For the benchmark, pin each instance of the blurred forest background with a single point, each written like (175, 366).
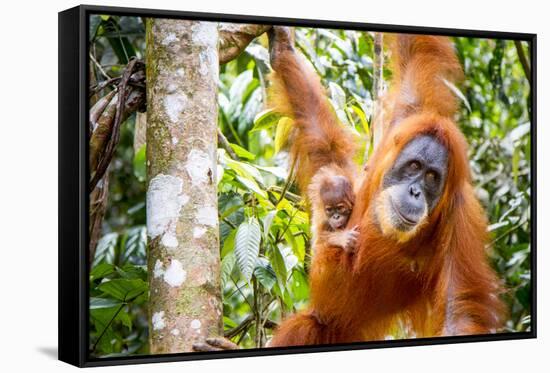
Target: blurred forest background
(264, 225)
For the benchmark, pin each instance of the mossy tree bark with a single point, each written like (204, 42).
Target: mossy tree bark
(182, 219)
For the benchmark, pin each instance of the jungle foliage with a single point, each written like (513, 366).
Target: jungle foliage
(264, 224)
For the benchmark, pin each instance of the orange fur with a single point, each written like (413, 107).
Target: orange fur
(435, 283)
(318, 138)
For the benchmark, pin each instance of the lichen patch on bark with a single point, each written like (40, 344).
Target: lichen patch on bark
(205, 33)
(207, 215)
(170, 38)
(164, 202)
(158, 271)
(175, 275)
(158, 320)
(174, 104)
(195, 324)
(198, 167)
(198, 232)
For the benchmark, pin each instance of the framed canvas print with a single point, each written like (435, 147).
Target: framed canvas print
(233, 186)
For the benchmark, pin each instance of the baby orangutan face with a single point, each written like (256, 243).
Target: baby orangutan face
(337, 198)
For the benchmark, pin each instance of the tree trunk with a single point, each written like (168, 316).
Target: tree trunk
(182, 219)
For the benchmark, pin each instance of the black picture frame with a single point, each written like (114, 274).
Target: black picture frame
(73, 184)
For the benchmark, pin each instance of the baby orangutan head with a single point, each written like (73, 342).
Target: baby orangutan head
(337, 197)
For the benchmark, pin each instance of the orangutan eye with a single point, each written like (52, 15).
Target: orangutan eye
(414, 166)
(431, 177)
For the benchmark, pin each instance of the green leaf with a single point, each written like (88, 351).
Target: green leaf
(362, 118)
(228, 263)
(265, 273)
(101, 270)
(132, 272)
(228, 243)
(249, 111)
(125, 319)
(337, 95)
(240, 87)
(105, 250)
(140, 171)
(135, 246)
(299, 285)
(265, 119)
(278, 263)
(247, 246)
(97, 303)
(122, 47)
(123, 289)
(283, 131)
(280, 172)
(268, 220)
(243, 169)
(297, 246)
(101, 318)
(252, 185)
(228, 323)
(260, 55)
(242, 152)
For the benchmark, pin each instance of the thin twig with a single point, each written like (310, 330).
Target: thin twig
(504, 235)
(245, 298)
(286, 228)
(288, 181)
(239, 328)
(289, 195)
(222, 140)
(101, 86)
(107, 326)
(228, 222)
(100, 68)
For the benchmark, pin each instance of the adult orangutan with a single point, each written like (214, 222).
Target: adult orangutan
(420, 259)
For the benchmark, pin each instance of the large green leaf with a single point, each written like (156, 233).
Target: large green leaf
(135, 245)
(247, 246)
(124, 289)
(101, 270)
(266, 119)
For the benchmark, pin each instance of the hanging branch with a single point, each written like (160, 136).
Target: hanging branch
(523, 60)
(103, 123)
(234, 38)
(98, 206)
(106, 134)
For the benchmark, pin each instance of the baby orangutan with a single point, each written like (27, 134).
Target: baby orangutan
(332, 199)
